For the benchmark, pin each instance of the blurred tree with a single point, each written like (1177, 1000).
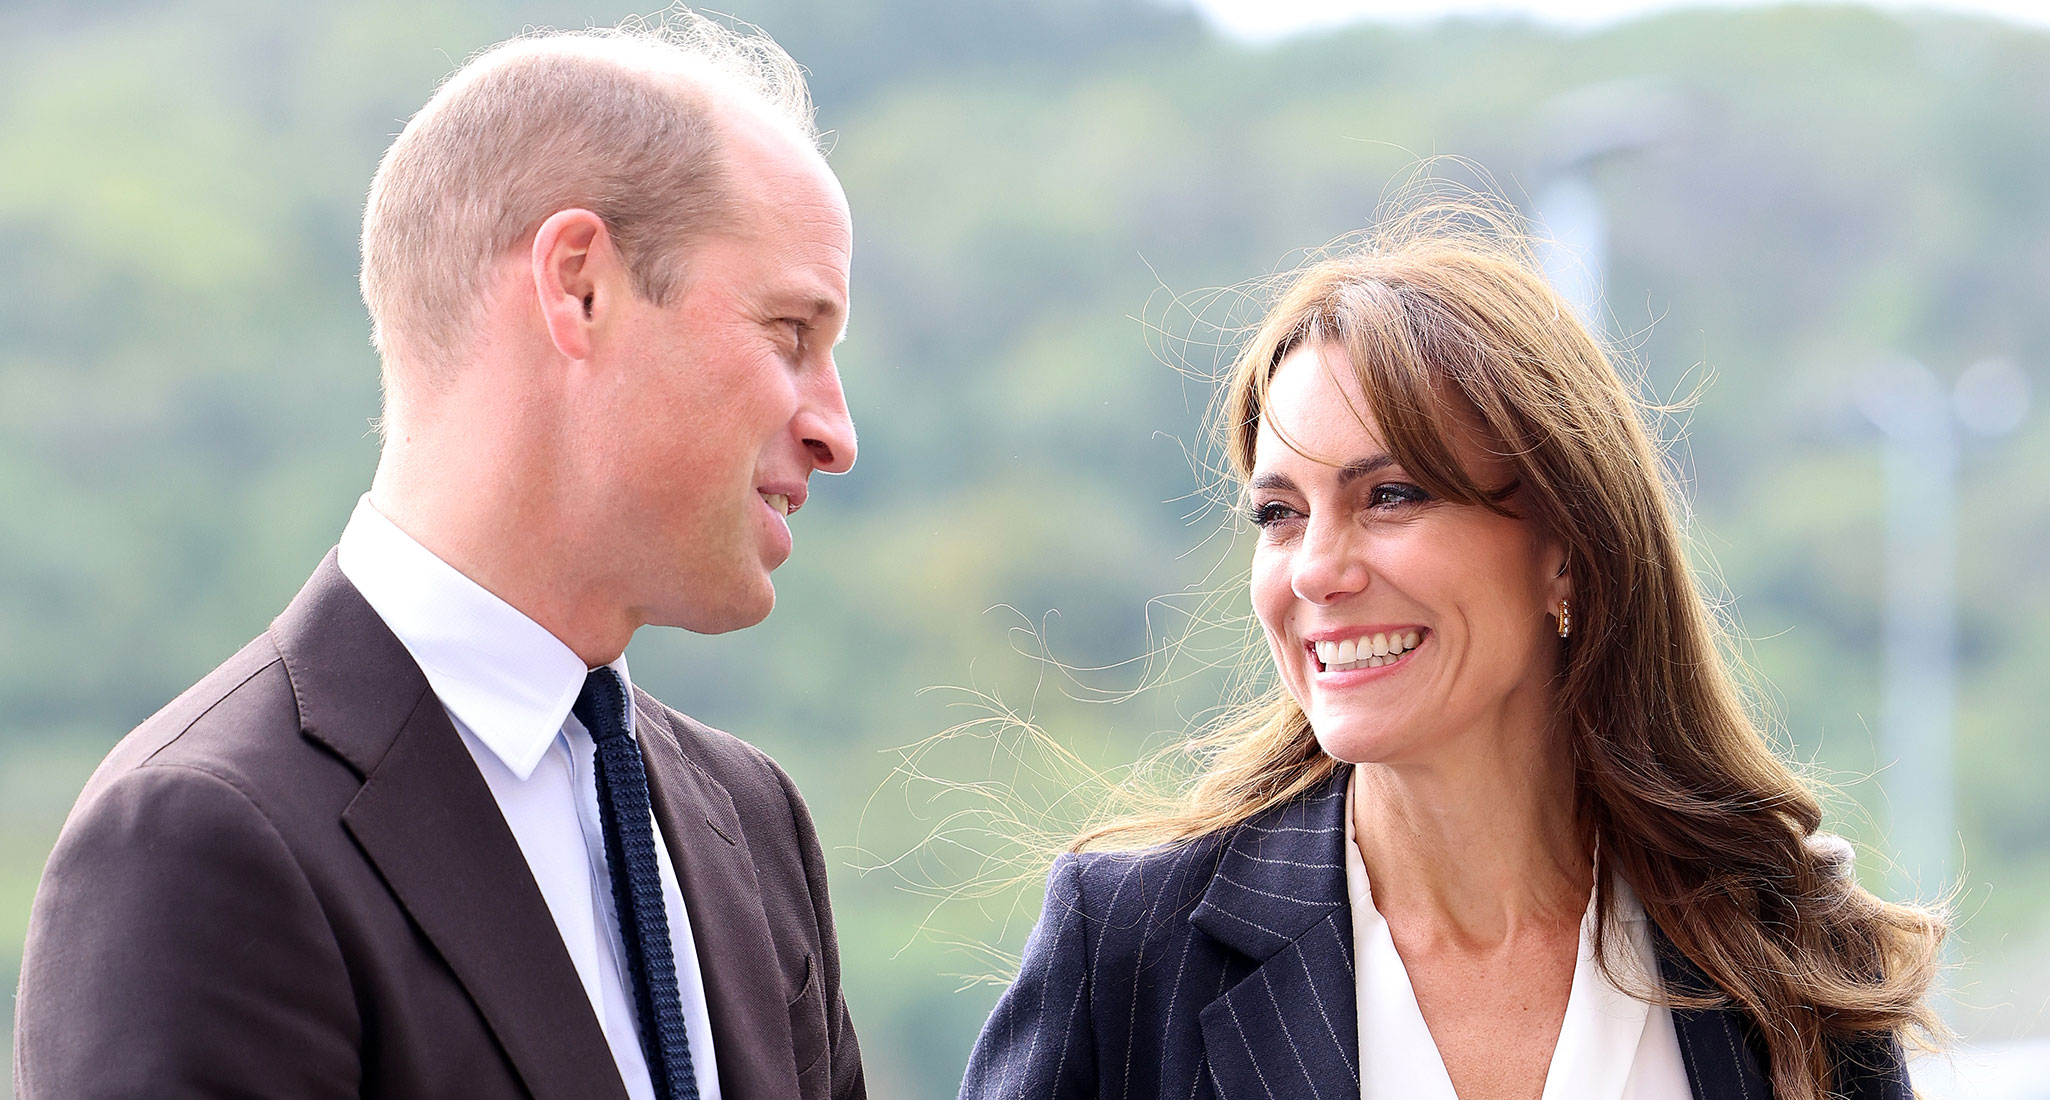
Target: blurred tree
(1047, 194)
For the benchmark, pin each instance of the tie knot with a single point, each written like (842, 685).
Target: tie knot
(601, 706)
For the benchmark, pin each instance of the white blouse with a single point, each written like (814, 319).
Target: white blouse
(1611, 1045)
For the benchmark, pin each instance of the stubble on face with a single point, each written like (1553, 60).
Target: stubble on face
(728, 382)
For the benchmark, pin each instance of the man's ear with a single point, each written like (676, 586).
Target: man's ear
(576, 273)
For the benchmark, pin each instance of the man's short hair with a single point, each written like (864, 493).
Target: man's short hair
(620, 121)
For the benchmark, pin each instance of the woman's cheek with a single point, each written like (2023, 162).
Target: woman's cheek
(1272, 598)
(1270, 611)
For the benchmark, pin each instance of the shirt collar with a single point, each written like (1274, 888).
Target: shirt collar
(498, 672)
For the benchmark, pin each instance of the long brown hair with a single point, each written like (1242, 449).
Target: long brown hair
(1444, 309)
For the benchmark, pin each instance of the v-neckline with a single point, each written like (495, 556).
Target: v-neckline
(1590, 1059)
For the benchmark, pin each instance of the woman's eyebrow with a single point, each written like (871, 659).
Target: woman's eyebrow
(1361, 467)
(1348, 473)
(1279, 482)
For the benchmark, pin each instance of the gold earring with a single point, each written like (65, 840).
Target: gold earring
(1565, 619)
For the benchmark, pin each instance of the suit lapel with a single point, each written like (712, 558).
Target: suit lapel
(1715, 1045)
(1289, 1027)
(743, 983)
(428, 822)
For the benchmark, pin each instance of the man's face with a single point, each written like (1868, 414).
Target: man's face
(730, 399)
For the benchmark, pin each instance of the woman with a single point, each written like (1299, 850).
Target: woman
(1502, 828)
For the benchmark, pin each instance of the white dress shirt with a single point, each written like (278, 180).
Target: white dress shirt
(508, 686)
(1611, 1045)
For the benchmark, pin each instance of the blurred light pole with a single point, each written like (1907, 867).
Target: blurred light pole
(1582, 128)
(1575, 245)
(1923, 422)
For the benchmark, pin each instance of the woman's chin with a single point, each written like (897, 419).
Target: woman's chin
(1357, 742)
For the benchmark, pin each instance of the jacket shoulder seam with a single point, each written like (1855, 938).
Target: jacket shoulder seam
(188, 727)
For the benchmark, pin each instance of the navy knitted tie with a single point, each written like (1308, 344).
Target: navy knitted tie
(637, 884)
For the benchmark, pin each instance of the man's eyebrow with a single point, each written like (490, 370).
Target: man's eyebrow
(816, 306)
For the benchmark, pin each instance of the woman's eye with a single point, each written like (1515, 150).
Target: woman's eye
(1395, 494)
(1269, 514)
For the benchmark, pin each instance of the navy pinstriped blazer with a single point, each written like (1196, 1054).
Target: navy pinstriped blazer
(1222, 970)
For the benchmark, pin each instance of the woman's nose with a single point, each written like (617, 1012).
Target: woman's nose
(1329, 563)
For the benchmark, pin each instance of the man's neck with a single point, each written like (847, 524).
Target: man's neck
(478, 513)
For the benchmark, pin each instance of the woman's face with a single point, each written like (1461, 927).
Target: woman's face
(1405, 626)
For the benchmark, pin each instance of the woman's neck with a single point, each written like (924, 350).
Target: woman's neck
(1475, 846)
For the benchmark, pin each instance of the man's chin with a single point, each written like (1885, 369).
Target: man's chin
(725, 616)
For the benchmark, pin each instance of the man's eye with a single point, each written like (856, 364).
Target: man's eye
(797, 328)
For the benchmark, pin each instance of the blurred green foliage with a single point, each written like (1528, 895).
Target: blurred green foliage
(1044, 193)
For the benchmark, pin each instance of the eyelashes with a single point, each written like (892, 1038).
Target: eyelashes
(1266, 515)
(1383, 499)
(1397, 493)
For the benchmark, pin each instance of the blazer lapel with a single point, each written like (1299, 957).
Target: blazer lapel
(743, 984)
(428, 822)
(1715, 1044)
(1290, 1026)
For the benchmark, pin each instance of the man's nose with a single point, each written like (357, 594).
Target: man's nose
(826, 427)
(1328, 564)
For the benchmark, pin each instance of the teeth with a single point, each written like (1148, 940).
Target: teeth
(779, 501)
(1368, 652)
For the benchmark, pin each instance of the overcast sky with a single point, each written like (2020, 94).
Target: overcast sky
(1265, 19)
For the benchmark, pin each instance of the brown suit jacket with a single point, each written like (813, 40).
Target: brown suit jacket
(292, 882)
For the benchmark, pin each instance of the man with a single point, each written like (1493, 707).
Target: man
(422, 838)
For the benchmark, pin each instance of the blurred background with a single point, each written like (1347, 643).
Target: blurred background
(1828, 224)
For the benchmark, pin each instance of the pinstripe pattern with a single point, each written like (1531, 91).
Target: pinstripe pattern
(1222, 969)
